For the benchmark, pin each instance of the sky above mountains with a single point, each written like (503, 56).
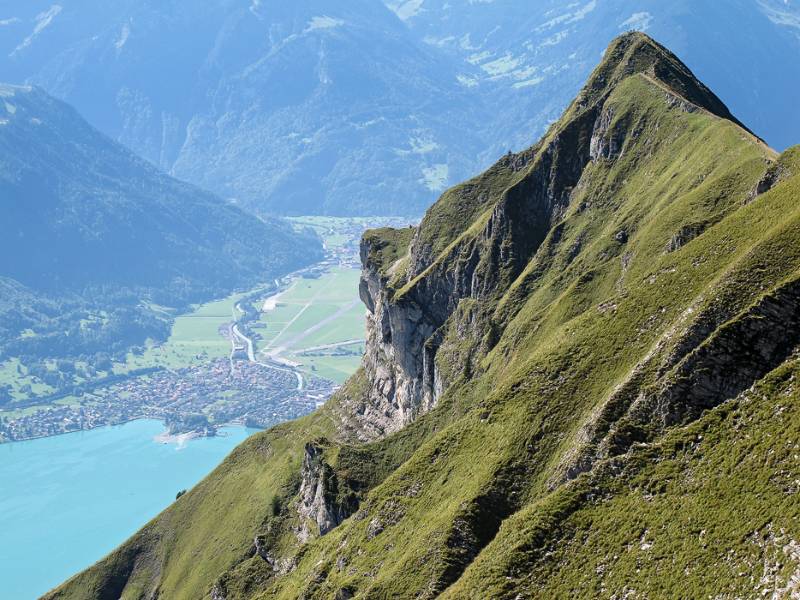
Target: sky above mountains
(364, 107)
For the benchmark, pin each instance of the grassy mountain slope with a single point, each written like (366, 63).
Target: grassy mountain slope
(580, 381)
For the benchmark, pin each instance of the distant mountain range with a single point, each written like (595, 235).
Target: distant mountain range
(532, 57)
(302, 107)
(365, 108)
(85, 221)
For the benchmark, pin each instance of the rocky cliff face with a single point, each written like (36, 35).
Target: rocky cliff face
(411, 300)
(398, 364)
(318, 506)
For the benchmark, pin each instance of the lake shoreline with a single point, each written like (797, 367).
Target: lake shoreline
(162, 438)
(96, 490)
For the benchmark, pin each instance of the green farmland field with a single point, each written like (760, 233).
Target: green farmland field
(195, 338)
(317, 312)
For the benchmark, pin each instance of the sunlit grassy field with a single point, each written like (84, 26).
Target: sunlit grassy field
(335, 368)
(195, 338)
(309, 313)
(317, 312)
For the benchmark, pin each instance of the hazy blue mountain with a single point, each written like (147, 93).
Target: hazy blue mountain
(533, 56)
(298, 107)
(86, 225)
(370, 106)
(79, 209)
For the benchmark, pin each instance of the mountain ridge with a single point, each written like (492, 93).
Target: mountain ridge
(529, 52)
(569, 336)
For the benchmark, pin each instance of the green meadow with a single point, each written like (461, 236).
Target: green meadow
(317, 312)
(195, 338)
(309, 313)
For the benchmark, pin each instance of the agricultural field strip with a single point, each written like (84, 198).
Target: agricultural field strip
(331, 298)
(315, 315)
(294, 341)
(333, 345)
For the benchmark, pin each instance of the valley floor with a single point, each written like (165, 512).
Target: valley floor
(257, 357)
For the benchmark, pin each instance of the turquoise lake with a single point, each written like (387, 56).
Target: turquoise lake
(66, 501)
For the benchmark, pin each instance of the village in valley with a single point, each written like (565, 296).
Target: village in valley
(254, 359)
(194, 400)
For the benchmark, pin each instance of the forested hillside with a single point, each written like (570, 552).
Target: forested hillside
(93, 237)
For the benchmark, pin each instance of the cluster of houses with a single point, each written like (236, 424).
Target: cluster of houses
(224, 392)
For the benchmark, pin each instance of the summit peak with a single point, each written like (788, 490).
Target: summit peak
(636, 53)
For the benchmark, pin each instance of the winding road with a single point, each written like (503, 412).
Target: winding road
(247, 343)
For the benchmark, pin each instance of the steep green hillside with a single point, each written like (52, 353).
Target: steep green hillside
(580, 381)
